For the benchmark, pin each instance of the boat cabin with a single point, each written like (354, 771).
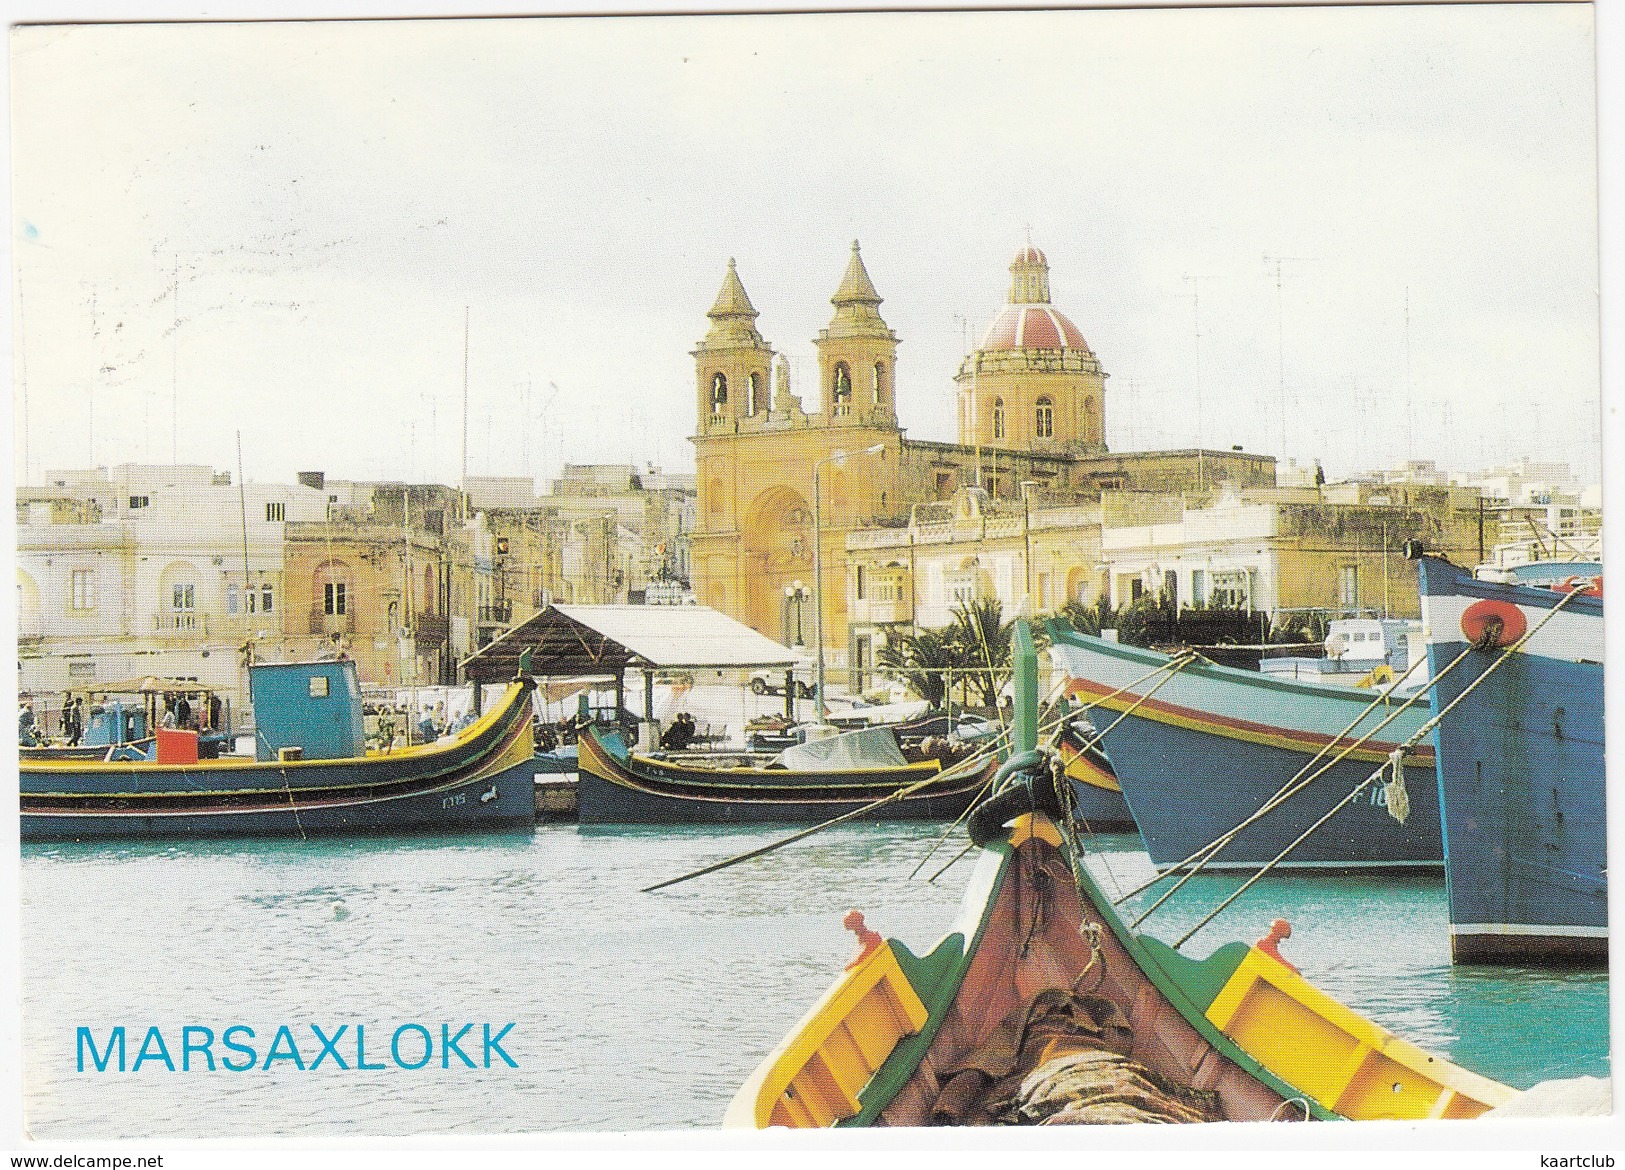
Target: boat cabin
(307, 710)
(1354, 649)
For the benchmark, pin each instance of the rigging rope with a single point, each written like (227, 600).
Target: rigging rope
(1420, 734)
(1198, 860)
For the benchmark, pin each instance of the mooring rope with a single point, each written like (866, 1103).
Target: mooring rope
(1421, 733)
(1199, 860)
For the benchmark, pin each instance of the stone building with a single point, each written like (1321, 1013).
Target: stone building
(390, 576)
(601, 535)
(1336, 550)
(776, 476)
(150, 570)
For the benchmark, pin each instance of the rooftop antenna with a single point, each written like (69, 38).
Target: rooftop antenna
(524, 430)
(972, 415)
(1280, 333)
(242, 511)
(175, 366)
(462, 483)
(90, 407)
(1196, 331)
(22, 374)
(1409, 438)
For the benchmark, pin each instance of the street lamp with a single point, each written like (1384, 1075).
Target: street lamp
(1027, 488)
(838, 458)
(795, 596)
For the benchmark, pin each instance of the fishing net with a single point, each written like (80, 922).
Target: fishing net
(1062, 1059)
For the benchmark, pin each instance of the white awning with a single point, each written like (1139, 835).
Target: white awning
(683, 636)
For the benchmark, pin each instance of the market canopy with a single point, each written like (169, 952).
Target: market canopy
(603, 640)
(147, 685)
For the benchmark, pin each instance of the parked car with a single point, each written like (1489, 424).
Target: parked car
(771, 682)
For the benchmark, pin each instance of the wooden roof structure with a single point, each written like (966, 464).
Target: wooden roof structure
(602, 641)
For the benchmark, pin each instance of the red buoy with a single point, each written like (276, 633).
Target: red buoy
(1491, 624)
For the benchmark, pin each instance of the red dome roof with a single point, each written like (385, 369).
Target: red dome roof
(1029, 255)
(1032, 327)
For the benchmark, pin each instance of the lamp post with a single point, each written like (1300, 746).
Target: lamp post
(1027, 487)
(795, 600)
(838, 457)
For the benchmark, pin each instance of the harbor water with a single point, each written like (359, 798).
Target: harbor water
(630, 1011)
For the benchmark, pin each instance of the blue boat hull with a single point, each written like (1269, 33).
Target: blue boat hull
(1185, 788)
(1202, 752)
(503, 801)
(482, 780)
(1521, 776)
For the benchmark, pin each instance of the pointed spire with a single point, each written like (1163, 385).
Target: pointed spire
(733, 317)
(732, 300)
(856, 287)
(857, 305)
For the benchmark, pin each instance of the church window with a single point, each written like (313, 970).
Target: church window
(843, 389)
(880, 382)
(719, 394)
(753, 401)
(998, 418)
(1046, 419)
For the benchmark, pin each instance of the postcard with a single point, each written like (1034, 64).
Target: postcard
(640, 579)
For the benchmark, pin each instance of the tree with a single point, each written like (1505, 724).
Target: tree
(976, 647)
(984, 639)
(921, 659)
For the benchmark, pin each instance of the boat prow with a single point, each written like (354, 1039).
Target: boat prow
(1040, 983)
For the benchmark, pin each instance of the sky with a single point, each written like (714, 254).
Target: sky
(274, 230)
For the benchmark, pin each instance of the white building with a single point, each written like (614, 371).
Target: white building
(138, 570)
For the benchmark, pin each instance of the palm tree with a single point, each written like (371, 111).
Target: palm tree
(921, 659)
(984, 640)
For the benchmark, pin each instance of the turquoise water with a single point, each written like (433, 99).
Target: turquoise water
(631, 1011)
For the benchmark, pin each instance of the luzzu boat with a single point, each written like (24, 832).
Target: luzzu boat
(1096, 793)
(617, 785)
(1520, 765)
(312, 773)
(1198, 748)
(1040, 1006)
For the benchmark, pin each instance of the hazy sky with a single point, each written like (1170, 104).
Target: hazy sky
(275, 228)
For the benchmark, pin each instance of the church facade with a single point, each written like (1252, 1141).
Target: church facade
(782, 484)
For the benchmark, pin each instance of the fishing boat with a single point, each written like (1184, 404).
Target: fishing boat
(1041, 1006)
(804, 784)
(310, 774)
(1097, 797)
(1199, 749)
(1518, 692)
(121, 719)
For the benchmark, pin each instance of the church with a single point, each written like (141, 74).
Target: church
(782, 484)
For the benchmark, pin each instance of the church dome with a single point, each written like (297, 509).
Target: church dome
(1032, 327)
(1029, 321)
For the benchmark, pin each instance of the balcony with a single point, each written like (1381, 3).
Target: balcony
(878, 612)
(181, 623)
(496, 615)
(324, 623)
